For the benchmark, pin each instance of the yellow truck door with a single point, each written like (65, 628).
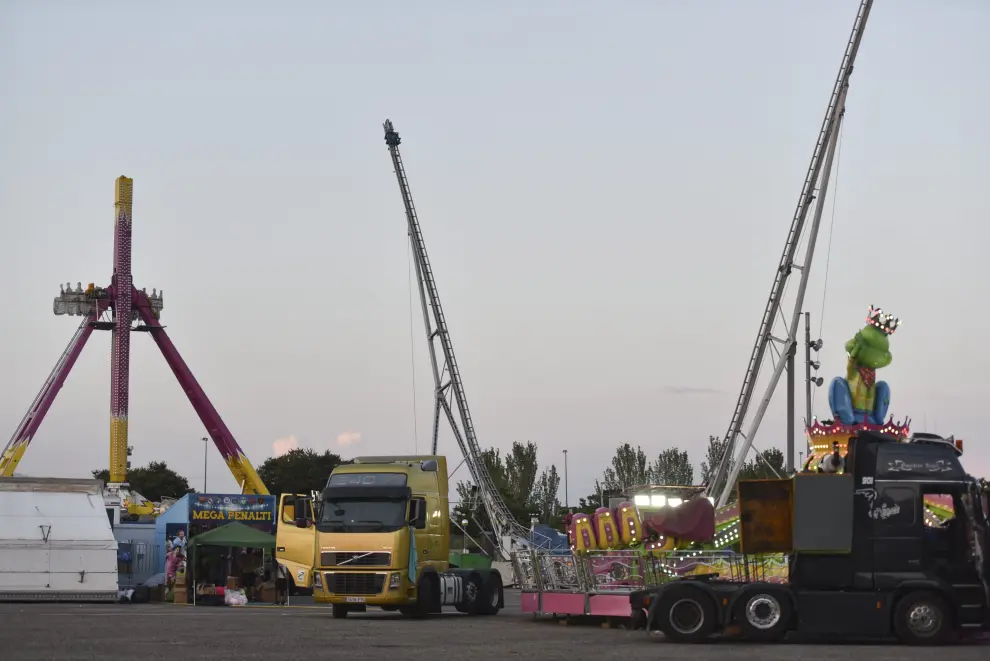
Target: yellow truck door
(294, 546)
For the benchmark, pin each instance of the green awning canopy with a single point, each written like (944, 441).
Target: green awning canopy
(234, 534)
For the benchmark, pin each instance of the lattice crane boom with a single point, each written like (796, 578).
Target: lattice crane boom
(814, 187)
(449, 388)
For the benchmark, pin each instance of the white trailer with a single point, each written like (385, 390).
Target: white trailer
(56, 541)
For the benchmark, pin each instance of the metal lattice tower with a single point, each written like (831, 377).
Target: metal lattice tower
(449, 393)
(815, 188)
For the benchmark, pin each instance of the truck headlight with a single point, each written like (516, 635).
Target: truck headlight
(317, 580)
(394, 581)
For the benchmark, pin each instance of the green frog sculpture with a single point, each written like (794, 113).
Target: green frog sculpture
(859, 398)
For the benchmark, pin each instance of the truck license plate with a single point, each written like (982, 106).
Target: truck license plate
(354, 600)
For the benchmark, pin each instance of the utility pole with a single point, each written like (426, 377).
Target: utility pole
(790, 409)
(566, 499)
(206, 446)
(809, 365)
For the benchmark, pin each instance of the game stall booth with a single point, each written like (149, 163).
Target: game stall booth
(197, 513)
(232, 539)
(231, 566)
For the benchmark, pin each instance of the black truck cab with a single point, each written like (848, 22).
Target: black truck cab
(867, 558)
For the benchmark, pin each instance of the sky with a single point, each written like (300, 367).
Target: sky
(604, 191)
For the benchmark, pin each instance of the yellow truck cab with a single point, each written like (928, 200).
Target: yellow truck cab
(381, 537)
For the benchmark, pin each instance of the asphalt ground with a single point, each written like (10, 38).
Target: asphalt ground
(152, 632)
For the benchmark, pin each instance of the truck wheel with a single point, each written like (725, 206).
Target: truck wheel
(493, 595)
(338, 611)
(425, 596)
(473, 596)
(764, 615)
(685, 614)
(922, 618)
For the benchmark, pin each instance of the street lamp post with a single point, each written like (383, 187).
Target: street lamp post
(206, 447)
(566, 500)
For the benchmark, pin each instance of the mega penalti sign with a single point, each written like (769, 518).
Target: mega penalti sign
(224, 508)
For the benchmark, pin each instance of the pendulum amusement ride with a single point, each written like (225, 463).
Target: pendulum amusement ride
(122, 309)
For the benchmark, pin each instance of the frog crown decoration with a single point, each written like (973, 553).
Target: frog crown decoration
(885, 323)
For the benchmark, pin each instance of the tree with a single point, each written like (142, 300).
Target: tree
(600, 498)
(545, 500)
(589, 503)
(514, 477)
(154, 481)
(672, 467)
(517, 478)
(521, 470)
(469, 505)
(713, 457)
(769, 466)
(298, 471)
(628, 469)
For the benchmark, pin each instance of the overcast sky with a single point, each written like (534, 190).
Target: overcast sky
(604, 189)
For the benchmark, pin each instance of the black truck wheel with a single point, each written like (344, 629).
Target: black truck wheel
(473, 596)
(685, 614)
(492, 593)
(338, 611)
(764, 614)
(426, 599)
(922, 618)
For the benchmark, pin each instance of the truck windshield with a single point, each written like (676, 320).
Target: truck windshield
(353, 515)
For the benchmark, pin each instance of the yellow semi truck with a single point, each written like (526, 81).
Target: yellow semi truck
(380, 536)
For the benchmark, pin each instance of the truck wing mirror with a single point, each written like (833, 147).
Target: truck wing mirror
(302, 519)
(417, 513)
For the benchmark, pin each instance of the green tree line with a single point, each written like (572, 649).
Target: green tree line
(526, 490)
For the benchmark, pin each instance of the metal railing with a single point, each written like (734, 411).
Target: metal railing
(625, 571)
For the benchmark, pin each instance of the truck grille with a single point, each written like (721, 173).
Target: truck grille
(355, 559)
(355, 583)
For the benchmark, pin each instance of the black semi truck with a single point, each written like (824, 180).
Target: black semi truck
(863, 561)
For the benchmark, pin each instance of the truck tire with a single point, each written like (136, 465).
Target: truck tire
(493, 595)
(764, 614)
(338, 611)
(922, 618)
(685, 614)
(426, 595)
(474, 596)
